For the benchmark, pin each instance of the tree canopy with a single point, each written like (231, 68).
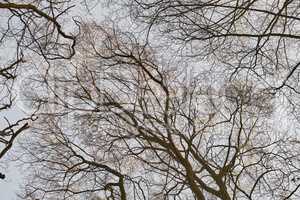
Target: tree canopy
(156, 99)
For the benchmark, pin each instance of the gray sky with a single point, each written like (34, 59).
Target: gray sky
(10, 185)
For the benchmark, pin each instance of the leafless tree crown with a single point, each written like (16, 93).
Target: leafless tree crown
(164, 99)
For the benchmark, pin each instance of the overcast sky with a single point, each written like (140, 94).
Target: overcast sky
(10, 185)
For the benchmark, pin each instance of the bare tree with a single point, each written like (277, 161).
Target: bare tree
(251, 36)
(125, 122)
(28, 29)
